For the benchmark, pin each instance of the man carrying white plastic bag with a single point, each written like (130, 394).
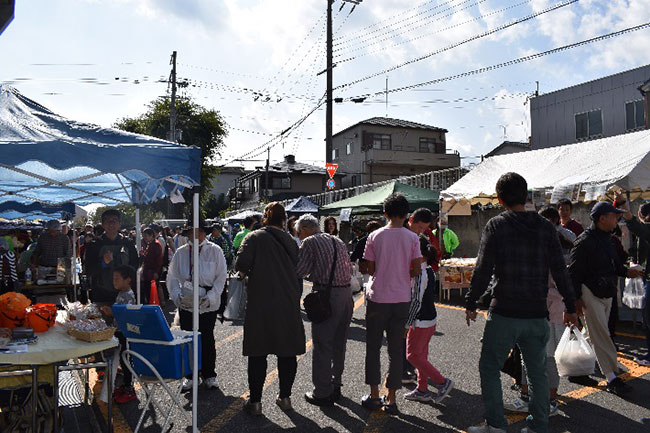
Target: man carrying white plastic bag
(574, 356)
(594, 268)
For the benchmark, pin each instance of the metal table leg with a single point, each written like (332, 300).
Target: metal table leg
(34, 397)
(108, 377)
(56, 398)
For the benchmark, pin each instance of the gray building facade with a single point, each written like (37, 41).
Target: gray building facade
(382, 148)
(600, 108)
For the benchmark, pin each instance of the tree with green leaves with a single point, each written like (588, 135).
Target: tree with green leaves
(199, 127)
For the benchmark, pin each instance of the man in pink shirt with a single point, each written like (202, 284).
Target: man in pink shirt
(393, 255)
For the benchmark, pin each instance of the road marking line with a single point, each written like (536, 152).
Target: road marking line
(635, 371)
(624, 334)
(233, 409)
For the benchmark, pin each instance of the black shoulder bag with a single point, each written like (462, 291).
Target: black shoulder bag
(317, 303)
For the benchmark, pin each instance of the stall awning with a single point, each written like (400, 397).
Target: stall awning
(581, 171)
(48, 158)
(13, 210)
(373, 201)
(301, 205)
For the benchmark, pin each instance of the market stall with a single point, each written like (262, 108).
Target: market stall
(373, 201)
(581, 172)
(455, 273)
(300, 206)
(47, 158)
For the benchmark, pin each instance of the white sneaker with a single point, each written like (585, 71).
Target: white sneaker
(187, 384)
(527, 430)
(517, 405)
(211, 383)
(485, 429)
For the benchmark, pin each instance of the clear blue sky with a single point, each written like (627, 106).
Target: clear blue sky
(98, 61)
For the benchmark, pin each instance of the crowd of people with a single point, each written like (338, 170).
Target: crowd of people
(542, 271)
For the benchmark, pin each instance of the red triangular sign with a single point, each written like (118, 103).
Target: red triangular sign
(331, 169)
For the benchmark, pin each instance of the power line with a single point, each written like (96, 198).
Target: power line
(275, 140)
(382, 49)
(509, 62)
(395, 31)
(473, 38)
(366, 30)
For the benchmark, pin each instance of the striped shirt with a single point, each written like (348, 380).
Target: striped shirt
(315, 260)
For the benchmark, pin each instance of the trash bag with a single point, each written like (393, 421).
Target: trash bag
(633, 293)
(236, 305)
(574, 356)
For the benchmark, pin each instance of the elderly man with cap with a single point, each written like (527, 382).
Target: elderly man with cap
(594, 268)
(212, 278)
(641, 228)
(52, 245)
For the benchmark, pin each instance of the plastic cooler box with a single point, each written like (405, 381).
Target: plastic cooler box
(147, 333)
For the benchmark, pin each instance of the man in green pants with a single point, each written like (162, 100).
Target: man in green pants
(518, 248)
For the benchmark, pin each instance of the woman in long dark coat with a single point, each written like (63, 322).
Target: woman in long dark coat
(273, 323)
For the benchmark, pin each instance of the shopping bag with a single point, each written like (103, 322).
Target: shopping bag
(236, 303)
(633, 293)
(574, 356)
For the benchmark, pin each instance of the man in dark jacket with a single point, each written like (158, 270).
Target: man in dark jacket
(641, 228)
(106, 252)
(594, 267)
(518, 248)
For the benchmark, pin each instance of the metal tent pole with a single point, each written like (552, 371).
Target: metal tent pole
(195, 313)
(138, 241)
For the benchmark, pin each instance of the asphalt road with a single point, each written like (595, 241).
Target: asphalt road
(454, 351)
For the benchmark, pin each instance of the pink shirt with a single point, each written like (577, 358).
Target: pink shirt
(392, 250)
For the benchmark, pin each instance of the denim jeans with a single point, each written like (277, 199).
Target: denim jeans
(646, 317)
(500, 335)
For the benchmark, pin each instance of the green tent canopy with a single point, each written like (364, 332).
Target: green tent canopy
(373, 201)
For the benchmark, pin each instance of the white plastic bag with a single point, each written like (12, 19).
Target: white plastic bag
(633, 293)
(574, 356)
(236, 303)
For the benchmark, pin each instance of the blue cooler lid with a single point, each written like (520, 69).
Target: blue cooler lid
(145, 322)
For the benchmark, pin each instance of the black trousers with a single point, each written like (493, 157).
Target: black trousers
(206, 327)
(287, 366)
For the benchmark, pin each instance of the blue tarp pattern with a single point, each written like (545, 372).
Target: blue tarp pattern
(35, 210)
(48, 158)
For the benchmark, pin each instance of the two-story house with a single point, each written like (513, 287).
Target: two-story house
(286, 180)
(608, 106)
(382, 148)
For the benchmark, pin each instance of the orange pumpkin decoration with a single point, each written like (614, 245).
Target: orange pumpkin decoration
(12, 309)
(41, 317)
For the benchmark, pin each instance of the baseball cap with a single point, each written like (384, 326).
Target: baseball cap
(602, 208)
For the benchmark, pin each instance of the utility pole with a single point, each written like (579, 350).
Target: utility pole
(266, 181)
(172, 106)
(328, 109)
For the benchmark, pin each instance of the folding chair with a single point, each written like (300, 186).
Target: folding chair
(160, 356)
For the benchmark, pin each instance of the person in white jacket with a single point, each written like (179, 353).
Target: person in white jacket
(212, 278)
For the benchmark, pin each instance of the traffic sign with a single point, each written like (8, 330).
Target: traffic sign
(331, 184)
(331, 169)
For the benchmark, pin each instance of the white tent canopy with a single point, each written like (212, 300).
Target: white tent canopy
(581, 171)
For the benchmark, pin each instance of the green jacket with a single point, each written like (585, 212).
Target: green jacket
(449, 238)
(239, 237)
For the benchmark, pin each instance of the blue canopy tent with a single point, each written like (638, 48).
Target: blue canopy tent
(13, 210)
(47, 158)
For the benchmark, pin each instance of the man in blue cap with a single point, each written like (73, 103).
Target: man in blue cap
(594, 268)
